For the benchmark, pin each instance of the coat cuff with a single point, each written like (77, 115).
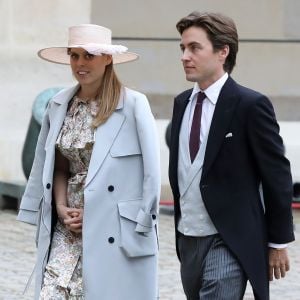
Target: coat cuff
(145, 221)
(28, 216)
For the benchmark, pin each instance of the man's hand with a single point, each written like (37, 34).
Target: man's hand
(278, 263)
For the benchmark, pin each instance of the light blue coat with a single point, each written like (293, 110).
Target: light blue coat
(121, 200)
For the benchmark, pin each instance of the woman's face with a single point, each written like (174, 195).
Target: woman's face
(87, 68)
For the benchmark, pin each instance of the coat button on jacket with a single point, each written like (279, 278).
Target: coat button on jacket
(111, 188)
(111, 240)
(48, 186)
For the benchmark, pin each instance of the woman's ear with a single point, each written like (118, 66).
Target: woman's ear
(108, 59)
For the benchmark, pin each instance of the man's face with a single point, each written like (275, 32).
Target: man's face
(201, 63)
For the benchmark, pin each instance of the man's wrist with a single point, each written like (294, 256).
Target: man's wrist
(277, 246)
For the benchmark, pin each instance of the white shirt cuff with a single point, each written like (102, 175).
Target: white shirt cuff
(277, 246)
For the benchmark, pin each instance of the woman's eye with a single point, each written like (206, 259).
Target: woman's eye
(74, 56)
(89, 56)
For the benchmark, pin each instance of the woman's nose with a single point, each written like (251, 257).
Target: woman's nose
(81, 61)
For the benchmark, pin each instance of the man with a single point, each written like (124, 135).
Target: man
(225, 144)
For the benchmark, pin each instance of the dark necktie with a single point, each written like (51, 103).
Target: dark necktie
(195, 129)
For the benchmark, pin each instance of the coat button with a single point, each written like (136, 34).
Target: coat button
(111, 188)
(48, 186)
(111, 240)
(153, 217)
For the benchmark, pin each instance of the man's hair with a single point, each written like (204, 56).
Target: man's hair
(220, 30)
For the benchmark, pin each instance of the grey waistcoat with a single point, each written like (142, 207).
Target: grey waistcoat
(194, 220)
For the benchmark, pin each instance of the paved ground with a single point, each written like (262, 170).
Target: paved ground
(17, 254)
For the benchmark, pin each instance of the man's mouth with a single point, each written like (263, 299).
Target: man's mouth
(188, 68)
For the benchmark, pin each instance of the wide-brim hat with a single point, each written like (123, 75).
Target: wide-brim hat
(94, 39)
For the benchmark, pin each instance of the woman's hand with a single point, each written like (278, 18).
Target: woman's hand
(74, 223)
(71, 217)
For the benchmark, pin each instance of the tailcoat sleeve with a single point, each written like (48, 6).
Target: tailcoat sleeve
(30, 202)
(274, 168)
(148, 138)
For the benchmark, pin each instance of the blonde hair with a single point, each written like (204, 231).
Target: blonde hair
(108, 95)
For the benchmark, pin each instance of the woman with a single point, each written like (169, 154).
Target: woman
(94, 185)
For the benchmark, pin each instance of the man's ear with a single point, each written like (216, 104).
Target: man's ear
(223, 53)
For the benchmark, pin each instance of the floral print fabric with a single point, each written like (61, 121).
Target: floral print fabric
(63, 274)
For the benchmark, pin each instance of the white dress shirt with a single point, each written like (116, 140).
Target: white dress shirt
(208, 106)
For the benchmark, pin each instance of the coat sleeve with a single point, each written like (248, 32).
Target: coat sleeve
(30, 202)
(274, 168)
(148, 138)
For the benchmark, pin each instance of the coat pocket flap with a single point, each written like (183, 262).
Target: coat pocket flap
(128, 148)
(133, 212)
(135, 244)
(129, 210)
(125, 152)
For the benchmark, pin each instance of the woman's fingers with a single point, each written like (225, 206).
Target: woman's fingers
(77, 228)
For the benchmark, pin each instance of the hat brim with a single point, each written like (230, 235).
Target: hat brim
(59, 55)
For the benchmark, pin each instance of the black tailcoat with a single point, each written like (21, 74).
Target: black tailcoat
(234, 169)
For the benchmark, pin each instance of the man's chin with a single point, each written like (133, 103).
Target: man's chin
(190, 78)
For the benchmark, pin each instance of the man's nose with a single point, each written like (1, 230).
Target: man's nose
(185, 55)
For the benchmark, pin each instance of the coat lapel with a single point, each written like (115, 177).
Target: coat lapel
(58, 112)
(225, 107)
(105, 136)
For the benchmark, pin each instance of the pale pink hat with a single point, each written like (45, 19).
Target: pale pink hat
(94, 39)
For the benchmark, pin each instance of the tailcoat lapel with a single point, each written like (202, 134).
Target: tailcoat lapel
(180, 105)
(225, 107)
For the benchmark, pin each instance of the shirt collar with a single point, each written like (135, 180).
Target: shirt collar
(213, 91)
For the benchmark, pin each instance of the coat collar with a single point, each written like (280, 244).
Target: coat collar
(66, 95)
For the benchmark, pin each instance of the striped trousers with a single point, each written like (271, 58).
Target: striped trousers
(209, 271)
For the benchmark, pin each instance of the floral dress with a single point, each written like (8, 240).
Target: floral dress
(63, 274)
